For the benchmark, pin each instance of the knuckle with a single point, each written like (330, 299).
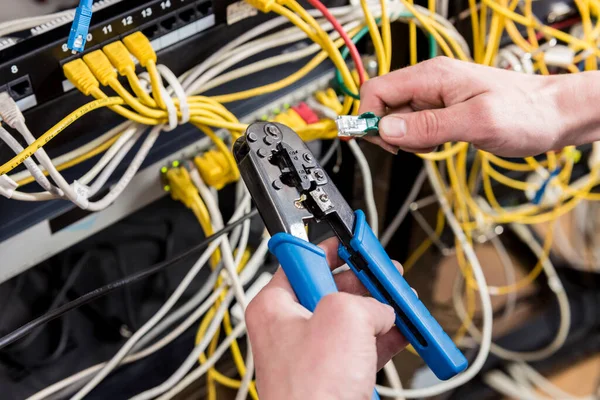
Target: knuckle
(368, 89)
(252, 311)
(428, 128)
(339, 304)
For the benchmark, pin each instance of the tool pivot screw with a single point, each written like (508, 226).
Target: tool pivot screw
(272, 130)
(268, 140)
(308, 157)
(324, 198)
(277, 185)
(319, 175)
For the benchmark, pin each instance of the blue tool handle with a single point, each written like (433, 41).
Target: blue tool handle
(386, 284)
(305, 266)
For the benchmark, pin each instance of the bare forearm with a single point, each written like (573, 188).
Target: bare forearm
(578, 102)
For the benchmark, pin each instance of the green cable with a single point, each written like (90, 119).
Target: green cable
(345, 52)
(356, 39)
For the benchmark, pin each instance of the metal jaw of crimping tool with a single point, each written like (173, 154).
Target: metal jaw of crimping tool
(289, 188)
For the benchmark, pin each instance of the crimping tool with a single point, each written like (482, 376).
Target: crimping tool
(289, 188)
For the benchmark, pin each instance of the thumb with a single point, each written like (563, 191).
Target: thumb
(422, 131)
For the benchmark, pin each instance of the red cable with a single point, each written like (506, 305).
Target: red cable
(349, 43)
(560, 25)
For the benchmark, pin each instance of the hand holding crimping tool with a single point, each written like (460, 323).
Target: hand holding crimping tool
(289, 187)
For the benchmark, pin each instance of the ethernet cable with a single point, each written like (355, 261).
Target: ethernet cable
(487, 310)
(367, 177)
(161, 313)
(556, 287)
(249, 272)
(404, 209)
(255, 47)
(190, 361)
(75, 379)
(31, 166)
(114, 152)
(202, 369)
(247, 369)
(23, 176)
(217, 221)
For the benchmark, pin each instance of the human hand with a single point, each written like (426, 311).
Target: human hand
(503, 112)
(331, 354)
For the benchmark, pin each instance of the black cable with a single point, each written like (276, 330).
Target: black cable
(111, 287)
(60, 297)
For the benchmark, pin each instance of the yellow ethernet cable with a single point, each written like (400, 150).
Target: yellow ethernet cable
(121, 58)
(78, 73)
(141, 48)
(103, 70)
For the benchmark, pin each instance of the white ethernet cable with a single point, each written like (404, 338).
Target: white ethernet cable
(393, 377)
(484, 294)
(160, 314)
(110, 155)
(509, 276)
(117, 151)
(211, 204)
(365, 170)
(129, 174)
(80, 150)
(114, 163)
(555, 285)
(545, 385)
(290, 35)
(249, 272)
(192, 75)
(31, 166)
(192, 358)
(202, 369)
(404, 209)
(76, 379)
(501, 383)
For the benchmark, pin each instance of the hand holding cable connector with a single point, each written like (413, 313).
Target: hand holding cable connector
(503, 112)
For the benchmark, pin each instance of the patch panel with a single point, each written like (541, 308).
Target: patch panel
(39, 58)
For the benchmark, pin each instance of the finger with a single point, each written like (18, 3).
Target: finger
(350, 313)
(431, 84)
(388, 345)
(348, 282)
(382, 143)
(274, 305)
(430, 128)
(330, 247)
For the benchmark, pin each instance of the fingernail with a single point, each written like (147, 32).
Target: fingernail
(393, 127)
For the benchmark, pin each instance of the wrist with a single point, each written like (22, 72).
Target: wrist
(576, 98)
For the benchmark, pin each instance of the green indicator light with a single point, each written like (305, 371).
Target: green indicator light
(264, 117)
(176, 164)
(164, 170)
(167, 188)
